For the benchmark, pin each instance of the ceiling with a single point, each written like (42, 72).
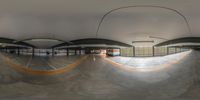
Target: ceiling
(69, 20)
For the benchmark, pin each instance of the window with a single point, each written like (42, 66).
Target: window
(143, 51)
(184, 49)
(178, 50)
(148, 51)
(128, 52)
(160, 51)
(172, 50)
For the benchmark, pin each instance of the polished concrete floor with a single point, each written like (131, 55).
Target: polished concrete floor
(97, 78)
(42, 62)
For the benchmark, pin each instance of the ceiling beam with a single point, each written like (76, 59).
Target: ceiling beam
(180, 40)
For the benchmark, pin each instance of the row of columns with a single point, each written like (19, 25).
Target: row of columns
(77, 51)
(6, 50)
(53, 51)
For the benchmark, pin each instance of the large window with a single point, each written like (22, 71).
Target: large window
(127, 52)
(178, 50)
(71, 52)
(148, 51)
(143, 51)
(160, 51)
(172, 50)
(184, 49)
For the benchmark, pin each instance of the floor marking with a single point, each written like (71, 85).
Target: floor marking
(49, 65)
(94, 59)
(44, 72)
(29, 61)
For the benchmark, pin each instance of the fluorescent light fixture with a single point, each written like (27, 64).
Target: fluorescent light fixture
(143, 41)
(155, 37)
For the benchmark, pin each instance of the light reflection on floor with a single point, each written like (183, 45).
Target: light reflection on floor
(148, 63)
(101, 80)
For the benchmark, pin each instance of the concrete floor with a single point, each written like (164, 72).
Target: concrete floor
(42, 62)
(98, 79)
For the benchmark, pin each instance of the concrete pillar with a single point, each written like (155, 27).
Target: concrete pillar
(33, 51)
(53, 52)
(67, 52)
(27, 51)
(133, 51)
(175, 50)
(75, 52)
(120, 52)
(18, 52)
(167, 50)
(6, 50)
(153, 51)
(79, 51)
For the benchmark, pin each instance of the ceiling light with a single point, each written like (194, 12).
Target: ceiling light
(157, 37)
(143, 41)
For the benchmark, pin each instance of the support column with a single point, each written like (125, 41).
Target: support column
(79, 51)
(26, 51)
(67, 51)
(120, 51)
(33, 51)
(167, 50)
(6, 50)
(53, 52)
(18, 52)
(175, 50)
(75, 52)
(133, 51)
(153, 50)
